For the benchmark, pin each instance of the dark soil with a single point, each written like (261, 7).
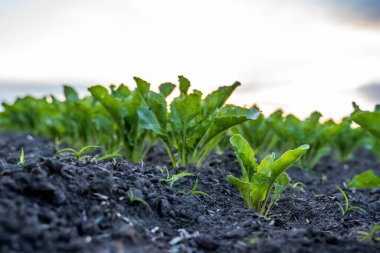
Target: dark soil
(54, 204)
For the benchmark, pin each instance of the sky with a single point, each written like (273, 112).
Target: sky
(299, 55)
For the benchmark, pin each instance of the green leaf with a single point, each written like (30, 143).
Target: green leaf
(149, 121)
(87, 148)
(71, 150)
(158, 106)
(70, 94)
(286, 160)
(185, 108)
(217, 98)
(265, 166)
(184, 85)
(142, 86)
(369, 121)
(283, 179)
(166, 89)
(155, 101)
(122, 91)
(245, 155)
(226, 118)
(109, 102)
(243, 187)
(367, 179)
(259, 188)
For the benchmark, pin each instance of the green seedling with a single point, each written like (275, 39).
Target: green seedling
(258, 180)
(79, 154)
(172, 179)
(370, 235)
(119, 113)
(347, 207)
(134, 199)
(195, 191)
(22, 157)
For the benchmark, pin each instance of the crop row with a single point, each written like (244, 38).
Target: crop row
(189, 127)
(133, 120)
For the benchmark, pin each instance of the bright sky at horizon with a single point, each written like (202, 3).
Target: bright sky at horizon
(301, 55)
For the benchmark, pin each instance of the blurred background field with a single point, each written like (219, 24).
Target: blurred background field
(299, 55)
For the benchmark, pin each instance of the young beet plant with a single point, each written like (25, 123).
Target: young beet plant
(194, 125)
(122, 106)
(259, 179)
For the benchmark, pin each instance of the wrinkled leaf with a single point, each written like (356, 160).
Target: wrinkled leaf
(166, 89)
(217, 98)
(184, 85)
(367, 179)
(228, 117)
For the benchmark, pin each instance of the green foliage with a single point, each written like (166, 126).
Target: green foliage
(194, 125)
(122, 107)
(190, 130)
(346, 139)
(190, 127)
(259, 133)
(79, 154)
(370, 121)
(367, 179)
(295, 132)
(347, 208)
(276, 132)
(259, 179)
(371, 235)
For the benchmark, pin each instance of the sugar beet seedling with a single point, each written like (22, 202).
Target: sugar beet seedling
(259, 179)
(194, 126)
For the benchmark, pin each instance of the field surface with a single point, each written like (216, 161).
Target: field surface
(56, 204)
